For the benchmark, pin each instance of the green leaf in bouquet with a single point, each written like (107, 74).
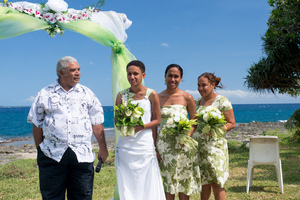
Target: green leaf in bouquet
(206, 128)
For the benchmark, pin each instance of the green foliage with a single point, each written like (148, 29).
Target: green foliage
(295, 137)
(294, 121)
(280, 70)
(98, 4)
(293, 124)
(237, 147)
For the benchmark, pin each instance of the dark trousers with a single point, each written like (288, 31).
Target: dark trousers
(68, 174)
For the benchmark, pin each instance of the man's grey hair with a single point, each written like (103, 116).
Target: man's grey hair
(62, 64)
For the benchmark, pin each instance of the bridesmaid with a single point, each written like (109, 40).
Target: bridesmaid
(137, 169)
(214, 166)
(179, 169)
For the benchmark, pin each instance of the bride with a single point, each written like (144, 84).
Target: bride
(137, 169)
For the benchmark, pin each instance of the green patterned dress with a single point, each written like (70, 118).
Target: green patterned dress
(179, 169)
(213, 154)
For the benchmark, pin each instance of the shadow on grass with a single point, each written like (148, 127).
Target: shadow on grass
(242, 189)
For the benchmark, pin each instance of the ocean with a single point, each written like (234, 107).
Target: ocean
(13, 122)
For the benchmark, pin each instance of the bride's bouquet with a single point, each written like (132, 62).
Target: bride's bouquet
(212, 120)
(180, 127)
(128, 116)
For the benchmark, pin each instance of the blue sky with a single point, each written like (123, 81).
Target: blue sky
(201, 36)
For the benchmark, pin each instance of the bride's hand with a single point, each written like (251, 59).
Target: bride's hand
(138, 128)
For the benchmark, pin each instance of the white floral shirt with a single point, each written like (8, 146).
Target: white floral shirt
(66, 119)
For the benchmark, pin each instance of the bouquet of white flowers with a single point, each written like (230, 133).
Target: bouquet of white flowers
(128, 116)
(180, 127)
(212, 120)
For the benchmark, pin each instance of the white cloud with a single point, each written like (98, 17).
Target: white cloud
(30, 99)
(245, 97)
(91, 63)
(236, 93)
(194, 93)
(164, 44)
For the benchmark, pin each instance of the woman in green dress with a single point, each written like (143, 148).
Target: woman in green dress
(179, 168)
(213, 152)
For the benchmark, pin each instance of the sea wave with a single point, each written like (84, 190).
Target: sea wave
(282, 121)
(109, 129)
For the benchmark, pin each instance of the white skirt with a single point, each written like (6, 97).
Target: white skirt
(137, 169)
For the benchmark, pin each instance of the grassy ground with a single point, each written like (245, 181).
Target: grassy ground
(19, 179)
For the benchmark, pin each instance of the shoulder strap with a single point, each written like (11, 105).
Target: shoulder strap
(148, 92)
(124, 91)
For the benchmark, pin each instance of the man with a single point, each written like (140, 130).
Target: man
(64, 116)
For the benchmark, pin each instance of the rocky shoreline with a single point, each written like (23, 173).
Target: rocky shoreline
(242, 132)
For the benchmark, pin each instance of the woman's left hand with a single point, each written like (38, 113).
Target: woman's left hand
(138, 128)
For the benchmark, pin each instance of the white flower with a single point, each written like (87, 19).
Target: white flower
(209, 108)
(177, 118)
(18, 7)
(206, 117)
(37, 13)
(52, 19)
(29, 11)
(128, 113)
(56, 5)
(214, 114)
(62, 18)
(137, 112)
(48, 16)
(170, 123)
(84, 15)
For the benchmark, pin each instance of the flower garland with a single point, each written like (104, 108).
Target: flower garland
(54, 12)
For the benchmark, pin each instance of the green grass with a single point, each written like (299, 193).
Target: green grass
(19, 179)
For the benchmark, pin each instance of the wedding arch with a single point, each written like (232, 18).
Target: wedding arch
(104, 27)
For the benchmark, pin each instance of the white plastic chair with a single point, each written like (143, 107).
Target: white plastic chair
(264, 150)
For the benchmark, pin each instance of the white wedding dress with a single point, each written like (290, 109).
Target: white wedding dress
(137, 169)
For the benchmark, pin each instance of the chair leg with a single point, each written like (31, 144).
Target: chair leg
(280, 181)
(252, 172)
(248, 177)
(277, 173)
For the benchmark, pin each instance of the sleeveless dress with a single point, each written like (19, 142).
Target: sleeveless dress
(213, 154)
(137, 169)
(179, 169)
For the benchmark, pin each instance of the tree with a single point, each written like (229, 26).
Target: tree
(280, 69)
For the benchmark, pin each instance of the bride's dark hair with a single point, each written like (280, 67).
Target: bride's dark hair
(137, 63)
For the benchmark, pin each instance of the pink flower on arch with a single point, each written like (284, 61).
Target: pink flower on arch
(37, 14)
